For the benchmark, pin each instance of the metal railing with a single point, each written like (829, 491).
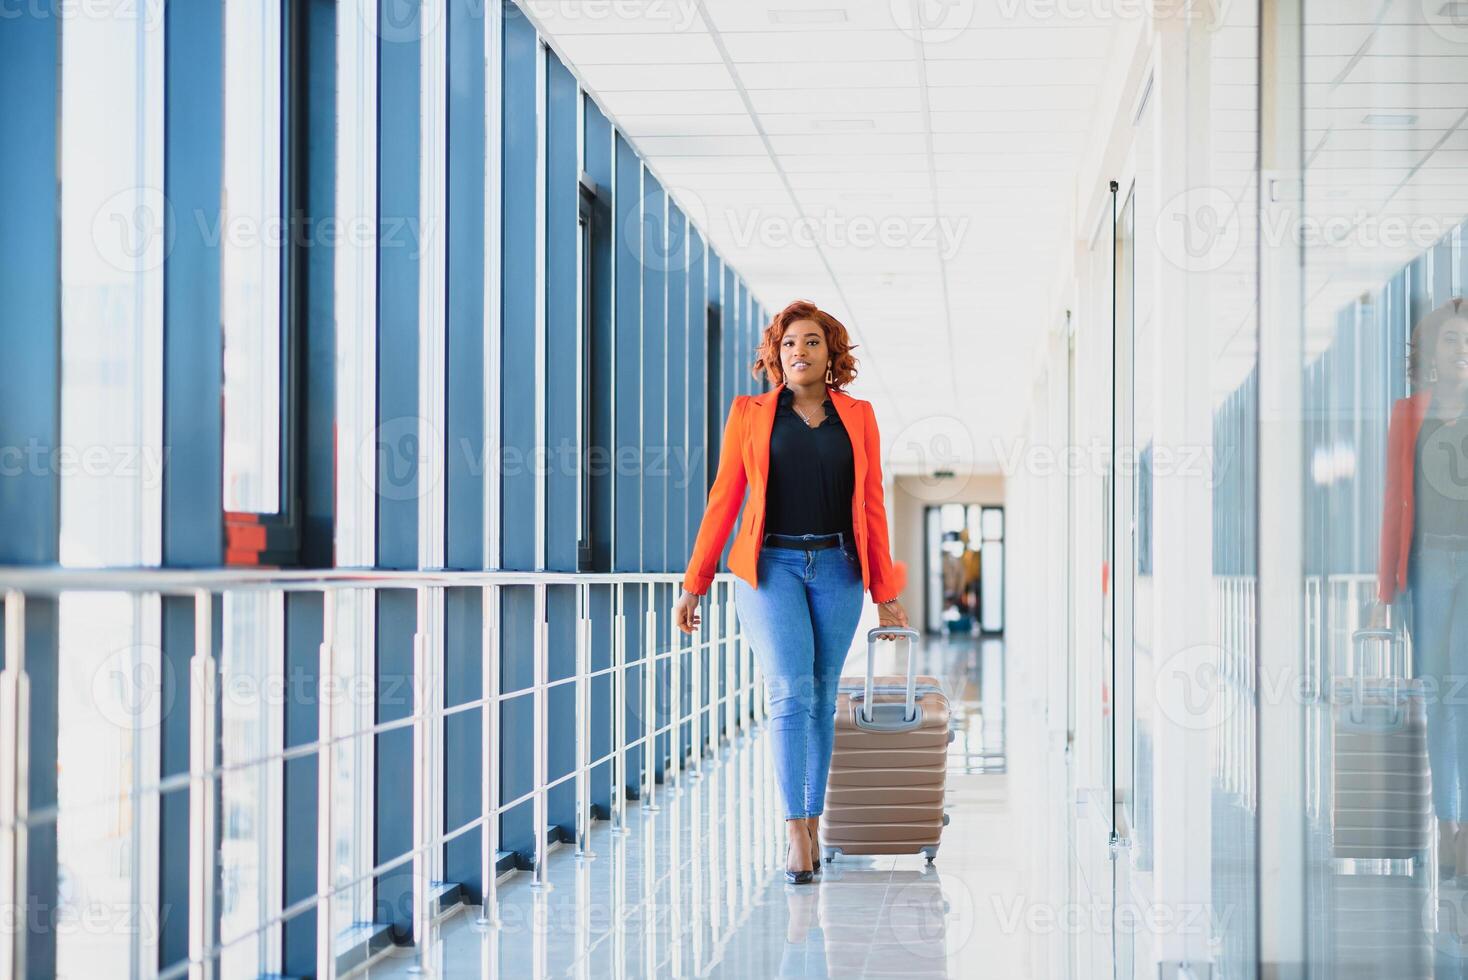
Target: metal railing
(717, 645)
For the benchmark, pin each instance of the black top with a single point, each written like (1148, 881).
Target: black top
(1440, 485)
(812, 473)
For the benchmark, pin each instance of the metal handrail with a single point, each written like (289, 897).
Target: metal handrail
(53, 580)
(740, 702)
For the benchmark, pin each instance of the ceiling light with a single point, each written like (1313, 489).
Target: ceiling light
(830, 15)
(1389, 119)
(844, 125)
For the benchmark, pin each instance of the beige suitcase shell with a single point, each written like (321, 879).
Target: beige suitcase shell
(885, 792)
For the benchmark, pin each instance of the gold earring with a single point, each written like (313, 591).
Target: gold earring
(829, 379)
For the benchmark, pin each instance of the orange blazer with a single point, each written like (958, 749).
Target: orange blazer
(744, 462)
(1398, 501)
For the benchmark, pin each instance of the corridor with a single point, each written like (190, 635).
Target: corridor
(444, 444)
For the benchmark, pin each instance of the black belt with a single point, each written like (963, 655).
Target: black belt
(805, 542)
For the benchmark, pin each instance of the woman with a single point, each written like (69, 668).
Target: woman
(813, 536)
(1424, 553)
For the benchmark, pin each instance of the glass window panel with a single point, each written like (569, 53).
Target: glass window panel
(108, 685)
(1384, 384)
(251, 718)
(993, 524)
(251, 242)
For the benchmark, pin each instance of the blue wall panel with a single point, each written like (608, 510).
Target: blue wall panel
(654, 389)
(676, 457)
(562, 276)
(465, 471)
(518, 381)
(627, 541)
(397, 285)
(303, 626)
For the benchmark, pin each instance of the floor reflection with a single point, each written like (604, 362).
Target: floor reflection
(695, 889)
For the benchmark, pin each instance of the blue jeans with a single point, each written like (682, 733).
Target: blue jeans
(800, 622)
(1439, 594)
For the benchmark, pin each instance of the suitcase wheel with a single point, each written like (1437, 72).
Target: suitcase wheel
(931, 853)
(829, 853)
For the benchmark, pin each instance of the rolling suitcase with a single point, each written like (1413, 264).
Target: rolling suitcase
(885, 792)
(1381, 797)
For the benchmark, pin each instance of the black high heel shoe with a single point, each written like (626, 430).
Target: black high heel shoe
(797, 877)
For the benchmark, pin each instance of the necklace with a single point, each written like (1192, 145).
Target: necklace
(805, 418)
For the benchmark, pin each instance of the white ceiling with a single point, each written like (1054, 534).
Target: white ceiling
(934, 164)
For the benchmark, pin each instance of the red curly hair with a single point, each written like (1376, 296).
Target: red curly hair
(767, 354)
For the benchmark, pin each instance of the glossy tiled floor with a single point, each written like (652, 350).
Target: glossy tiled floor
(694, 889)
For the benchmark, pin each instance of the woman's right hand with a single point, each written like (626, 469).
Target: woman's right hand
(685, 612)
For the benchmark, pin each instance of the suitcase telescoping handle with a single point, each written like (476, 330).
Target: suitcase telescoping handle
(1391, 666)
(912, 638)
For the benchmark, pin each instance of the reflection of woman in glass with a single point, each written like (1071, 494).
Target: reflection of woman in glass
(1424, 551)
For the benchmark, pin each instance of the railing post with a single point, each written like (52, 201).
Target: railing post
(730, 672)
(650, 703)
(583, 721)
(325, 767)
(541, 878)
(695, 690)
(202, 843)
(619, 709)
(675, 704)
(489, 757)
(426, 763)
(717, 710)
(14, 789)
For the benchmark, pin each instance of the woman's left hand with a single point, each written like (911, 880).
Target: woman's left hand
(890, 614)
